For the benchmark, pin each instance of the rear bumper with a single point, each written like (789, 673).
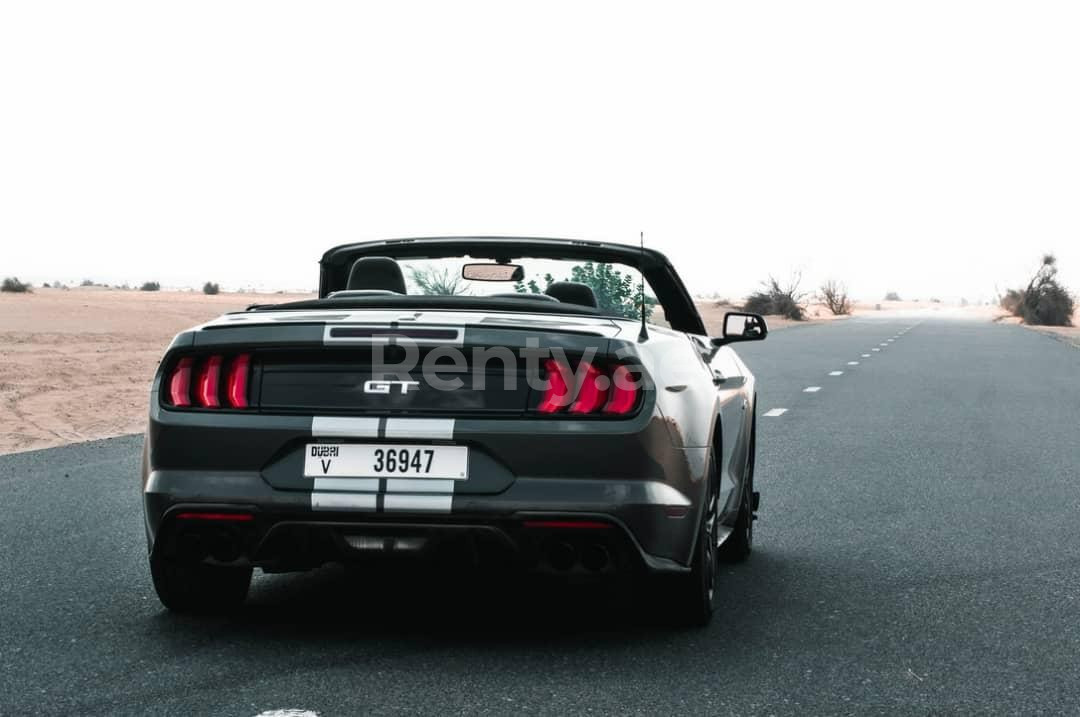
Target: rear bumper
(546, 524)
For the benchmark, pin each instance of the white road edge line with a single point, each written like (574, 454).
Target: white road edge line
(775, 412)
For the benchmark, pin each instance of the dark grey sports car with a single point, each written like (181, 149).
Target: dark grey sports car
(527, 404)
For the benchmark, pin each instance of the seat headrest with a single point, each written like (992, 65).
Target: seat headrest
(571, 292)
(376, 272)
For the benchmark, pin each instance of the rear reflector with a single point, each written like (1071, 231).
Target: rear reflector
(230, 517)
(206, 389)
(180, 383)
(236, 387)
(567, 524)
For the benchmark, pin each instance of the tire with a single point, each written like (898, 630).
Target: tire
(740, 543)
(199, 588)
(692, 599)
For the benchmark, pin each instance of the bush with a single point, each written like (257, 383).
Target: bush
(210, 288)
(1045, 302)
(87, 282)
(150, 286)
(776, 299)
(892, 296)
(13, 285)
(834, 295)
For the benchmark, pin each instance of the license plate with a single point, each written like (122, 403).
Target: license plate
(373, 460)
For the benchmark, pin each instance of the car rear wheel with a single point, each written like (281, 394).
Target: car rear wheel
(199, 588)
(692, 598)
(741, 541)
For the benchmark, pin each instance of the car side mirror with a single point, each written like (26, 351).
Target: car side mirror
(740, 326)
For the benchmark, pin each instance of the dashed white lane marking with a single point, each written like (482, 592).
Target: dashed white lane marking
(866, 355)
(288, 713)
(775, 412)
(811, 389)
(852, 363)
(836, 373)
(890, 340)
(875, 349)
(882, 344)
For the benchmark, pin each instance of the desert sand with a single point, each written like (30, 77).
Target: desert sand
(76, 364)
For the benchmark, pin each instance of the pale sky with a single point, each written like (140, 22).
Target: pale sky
(931, 148)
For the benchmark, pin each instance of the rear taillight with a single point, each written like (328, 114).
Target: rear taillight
(613, 391)
(236, 388)
(199, 382)
(208, 385)
(624, 392)
(557, 395)
(180, 383)
(593, 392)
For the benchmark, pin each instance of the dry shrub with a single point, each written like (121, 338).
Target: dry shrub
(775, 299)
(13, 285)
(834, 295)
(1045, 302)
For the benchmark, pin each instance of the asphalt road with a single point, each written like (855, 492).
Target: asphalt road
(918, 551)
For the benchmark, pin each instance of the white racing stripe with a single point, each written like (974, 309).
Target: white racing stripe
(349, 485)
(401, 494)
(425, 503)
(419, 485)
(344, 427)
(432, 429)
(343, 501)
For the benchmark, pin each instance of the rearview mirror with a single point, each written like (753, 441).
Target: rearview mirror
(740, 326)
(493, 272)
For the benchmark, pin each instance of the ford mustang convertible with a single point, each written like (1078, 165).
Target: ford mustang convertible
(534, 405)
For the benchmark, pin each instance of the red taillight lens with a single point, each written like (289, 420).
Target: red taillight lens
(180, 383)
(613, 391)
(593, 392)
(236, 386)
(624, 392)
(206, 388)
(557, 394)
(210, 382)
